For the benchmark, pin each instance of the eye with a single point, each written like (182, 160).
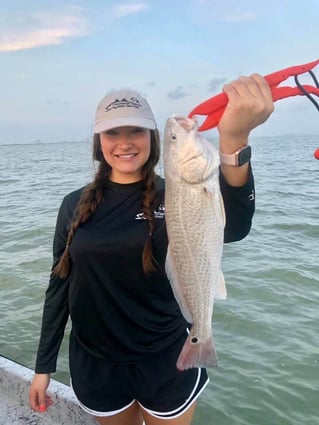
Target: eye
(173, 136)
(138, 130)
(110, 132)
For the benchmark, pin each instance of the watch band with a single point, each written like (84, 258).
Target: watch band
(240, 157)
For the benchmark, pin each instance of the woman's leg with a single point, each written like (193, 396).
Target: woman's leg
(184, 419)
(131, 416)
(134, 416)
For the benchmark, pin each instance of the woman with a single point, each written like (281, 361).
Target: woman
(108, 271)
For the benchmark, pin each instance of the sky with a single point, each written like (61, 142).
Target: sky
(59, 58)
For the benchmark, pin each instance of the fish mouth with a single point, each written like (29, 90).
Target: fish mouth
(186, 123)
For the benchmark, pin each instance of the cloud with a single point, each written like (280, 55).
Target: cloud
(41, 29)
(57, 102)
(215, 83)
(228, 11)
(128, 9)
(177, 93)
(239, 16)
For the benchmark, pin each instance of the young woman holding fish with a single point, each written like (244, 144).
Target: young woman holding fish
(109, 275)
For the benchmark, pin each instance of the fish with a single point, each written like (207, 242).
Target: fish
(195, 221)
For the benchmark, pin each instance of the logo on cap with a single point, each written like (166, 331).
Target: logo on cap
(132, 102)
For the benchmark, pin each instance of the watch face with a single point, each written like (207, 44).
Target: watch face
(244, 155)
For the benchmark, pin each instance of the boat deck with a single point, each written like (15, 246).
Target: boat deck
(11, 412)
(14, 405)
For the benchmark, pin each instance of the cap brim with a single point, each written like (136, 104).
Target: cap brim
(124, 121)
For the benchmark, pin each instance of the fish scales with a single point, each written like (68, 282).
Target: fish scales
(195, 225)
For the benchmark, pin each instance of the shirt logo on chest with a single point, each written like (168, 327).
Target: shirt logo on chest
(159, 213)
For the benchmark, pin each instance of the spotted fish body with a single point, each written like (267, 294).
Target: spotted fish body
(195, 221)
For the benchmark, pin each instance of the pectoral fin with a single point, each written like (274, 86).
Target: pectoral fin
(221, 292)
(217, 201)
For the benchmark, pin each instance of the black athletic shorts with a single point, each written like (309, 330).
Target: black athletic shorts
(104, 389)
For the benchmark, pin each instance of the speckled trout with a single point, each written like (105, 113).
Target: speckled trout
(195, 221)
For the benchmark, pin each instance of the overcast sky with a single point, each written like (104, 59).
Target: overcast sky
(59, 58)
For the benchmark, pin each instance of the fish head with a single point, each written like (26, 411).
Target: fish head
(186, 154)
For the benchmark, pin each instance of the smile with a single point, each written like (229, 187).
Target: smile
(126, 156)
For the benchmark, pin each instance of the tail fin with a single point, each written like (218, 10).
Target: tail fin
(197, 353)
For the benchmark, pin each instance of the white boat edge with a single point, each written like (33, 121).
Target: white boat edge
(15, 382)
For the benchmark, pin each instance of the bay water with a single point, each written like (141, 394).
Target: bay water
(266, 332)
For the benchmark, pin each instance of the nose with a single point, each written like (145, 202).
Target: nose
(125, 143)
(126, 146)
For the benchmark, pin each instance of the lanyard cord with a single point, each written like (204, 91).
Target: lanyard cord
(304, 91)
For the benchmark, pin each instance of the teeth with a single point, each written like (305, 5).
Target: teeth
(131, 155)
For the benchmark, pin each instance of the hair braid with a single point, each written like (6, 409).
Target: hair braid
(150, 200)
(91, 197)
(148, 207)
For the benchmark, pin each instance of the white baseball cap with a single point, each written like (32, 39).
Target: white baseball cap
(123, 108)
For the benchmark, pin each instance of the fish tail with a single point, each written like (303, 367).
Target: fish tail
(196, 353)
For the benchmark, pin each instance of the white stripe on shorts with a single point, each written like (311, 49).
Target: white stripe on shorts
(97, 413)
(181, 409)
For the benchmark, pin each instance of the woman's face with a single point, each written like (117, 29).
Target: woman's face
(126, 150)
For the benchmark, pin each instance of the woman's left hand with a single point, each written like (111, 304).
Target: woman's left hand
(250, 104)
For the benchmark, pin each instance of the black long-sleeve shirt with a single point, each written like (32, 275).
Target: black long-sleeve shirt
(119, 313)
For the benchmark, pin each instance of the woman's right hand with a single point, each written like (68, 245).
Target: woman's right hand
(39, 400)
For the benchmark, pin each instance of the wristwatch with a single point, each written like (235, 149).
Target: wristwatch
(240, 157)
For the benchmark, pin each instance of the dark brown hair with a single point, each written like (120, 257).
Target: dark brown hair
(92, 195)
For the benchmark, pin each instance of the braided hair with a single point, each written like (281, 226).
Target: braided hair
(92, 195)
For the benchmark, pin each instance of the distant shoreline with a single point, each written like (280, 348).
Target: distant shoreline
(211, 138)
